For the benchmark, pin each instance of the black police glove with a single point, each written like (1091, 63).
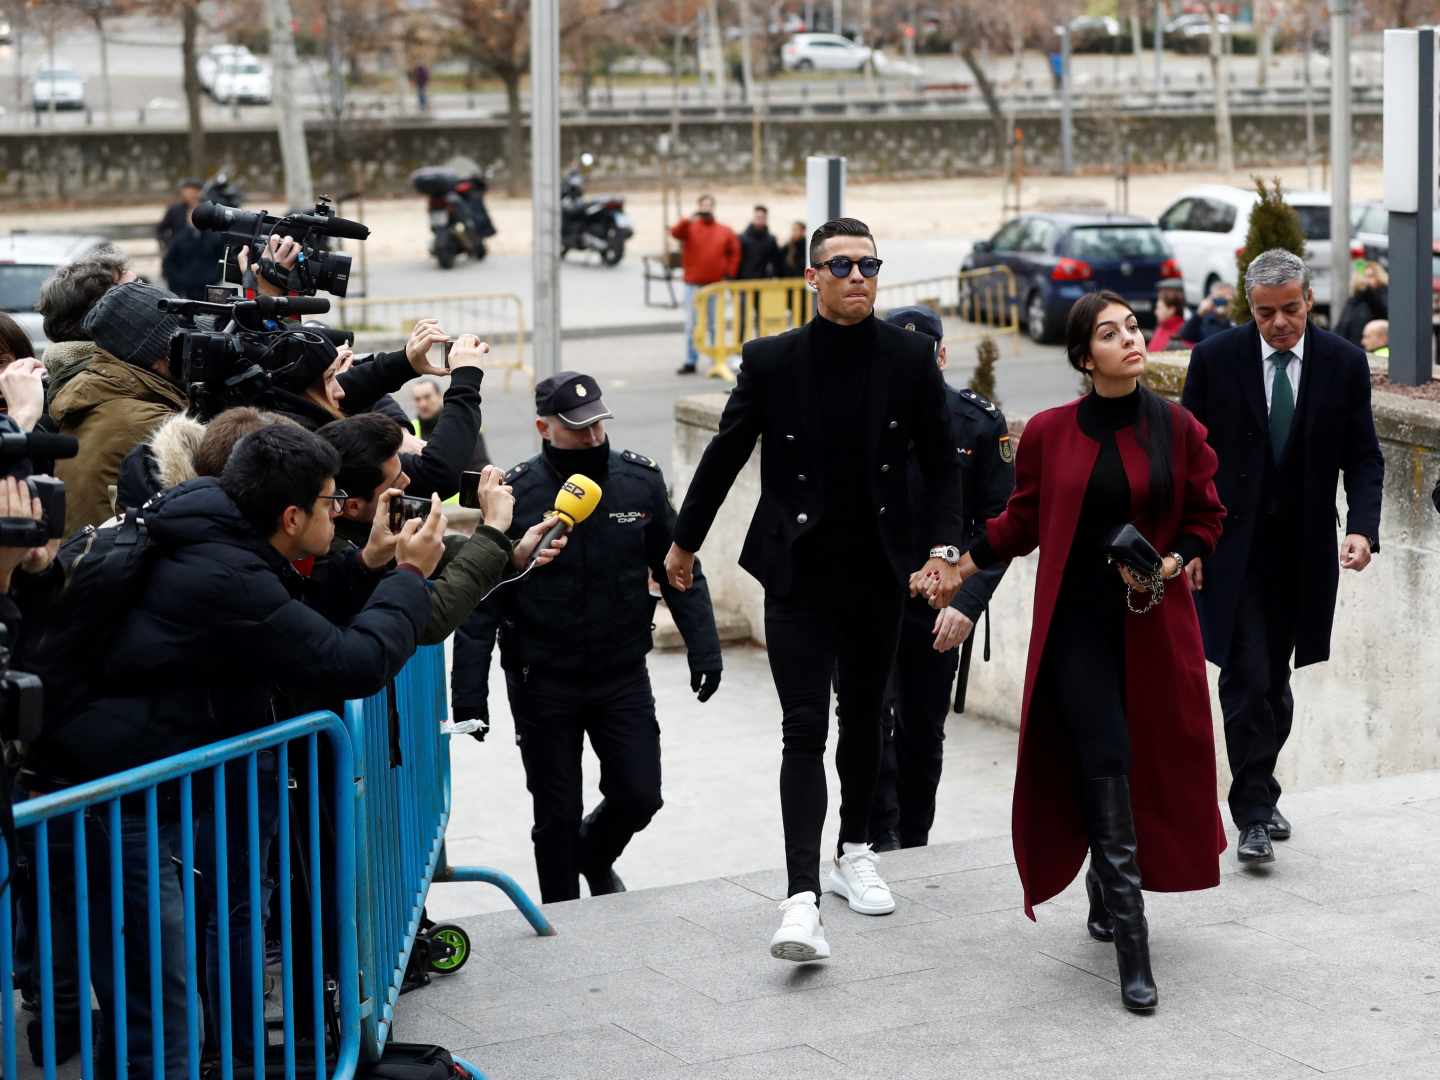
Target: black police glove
(705, 683)
(480, 714)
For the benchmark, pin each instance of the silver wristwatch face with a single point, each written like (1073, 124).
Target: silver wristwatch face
(950, 554)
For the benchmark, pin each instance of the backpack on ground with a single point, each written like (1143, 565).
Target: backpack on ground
(413, 1061)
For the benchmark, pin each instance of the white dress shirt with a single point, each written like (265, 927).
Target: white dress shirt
(1292, 369)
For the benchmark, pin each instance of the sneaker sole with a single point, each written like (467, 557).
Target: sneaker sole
(798, 952)
(839, 888)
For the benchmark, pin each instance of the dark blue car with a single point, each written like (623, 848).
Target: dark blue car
(1058, 257)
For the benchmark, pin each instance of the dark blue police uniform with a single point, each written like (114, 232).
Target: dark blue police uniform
(904, 806)
(573, 638)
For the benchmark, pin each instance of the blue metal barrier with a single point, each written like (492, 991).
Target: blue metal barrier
(387, 785)
(403, 796)
(148, 821)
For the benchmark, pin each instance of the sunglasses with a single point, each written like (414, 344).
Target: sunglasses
(841, 265)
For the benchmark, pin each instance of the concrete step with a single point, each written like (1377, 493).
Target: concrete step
(678, 983)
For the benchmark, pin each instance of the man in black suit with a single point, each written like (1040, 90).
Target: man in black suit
(1287, 406)
(840, 402)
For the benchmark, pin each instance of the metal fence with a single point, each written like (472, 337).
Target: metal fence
(128, 884)
(973, 303)
(498, 318)
(730, 313)
(151, 886)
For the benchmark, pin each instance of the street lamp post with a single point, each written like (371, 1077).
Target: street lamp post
(545, 181)
(1339, 155)
(1067, 132)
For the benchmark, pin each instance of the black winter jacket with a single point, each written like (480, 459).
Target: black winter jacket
(224, 625)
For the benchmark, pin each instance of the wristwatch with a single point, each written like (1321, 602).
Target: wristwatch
(949, 553)
(1179, 563)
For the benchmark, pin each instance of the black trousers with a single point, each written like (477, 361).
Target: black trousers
(914, 747)
(1083, 671)
(553, 714)
(1255, 681)
(846, 631)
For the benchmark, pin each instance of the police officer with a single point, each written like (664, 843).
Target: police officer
(927, 657)
(573, 641)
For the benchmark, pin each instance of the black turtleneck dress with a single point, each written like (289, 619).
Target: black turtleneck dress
(1084, 666)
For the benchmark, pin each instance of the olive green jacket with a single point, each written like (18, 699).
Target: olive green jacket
(468, 570)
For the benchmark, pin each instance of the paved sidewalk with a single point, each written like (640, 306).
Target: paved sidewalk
(1326, 963)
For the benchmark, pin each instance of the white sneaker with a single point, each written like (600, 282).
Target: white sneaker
(856, 879)
(801, 936)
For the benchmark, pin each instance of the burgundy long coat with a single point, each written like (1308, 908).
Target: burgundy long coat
(1172, 777)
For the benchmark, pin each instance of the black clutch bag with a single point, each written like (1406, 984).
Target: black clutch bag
(1127, 547)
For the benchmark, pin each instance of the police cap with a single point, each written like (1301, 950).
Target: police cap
(571, 396)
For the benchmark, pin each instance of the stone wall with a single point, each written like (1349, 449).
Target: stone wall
(99, 165)
(1372, 711)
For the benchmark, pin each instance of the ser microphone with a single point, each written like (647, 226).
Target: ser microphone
(574, 502)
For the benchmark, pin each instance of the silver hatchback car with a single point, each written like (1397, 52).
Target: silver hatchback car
(26, 260)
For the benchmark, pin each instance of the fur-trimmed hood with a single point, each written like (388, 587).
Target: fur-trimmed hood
(174, 447)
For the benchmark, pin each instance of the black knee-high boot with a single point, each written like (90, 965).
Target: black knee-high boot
(1099, 922)
(1112, 853)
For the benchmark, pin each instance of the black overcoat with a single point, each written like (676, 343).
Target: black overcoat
(1336, 433)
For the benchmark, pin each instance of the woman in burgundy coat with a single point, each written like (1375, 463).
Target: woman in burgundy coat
(1116, 746)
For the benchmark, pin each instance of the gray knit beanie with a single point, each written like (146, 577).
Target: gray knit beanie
(128, 324)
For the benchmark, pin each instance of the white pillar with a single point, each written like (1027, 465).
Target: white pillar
(1339, 155)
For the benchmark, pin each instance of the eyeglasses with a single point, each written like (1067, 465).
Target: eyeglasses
(337, 502)
(841, 265)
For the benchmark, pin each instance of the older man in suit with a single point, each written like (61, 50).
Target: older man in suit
(1287, 406)
(839, 403)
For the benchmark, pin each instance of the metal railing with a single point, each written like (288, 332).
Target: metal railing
(403, 793)
(973, 303)
(375, 804)
(497, 318)
(131, 924)
(730, 313)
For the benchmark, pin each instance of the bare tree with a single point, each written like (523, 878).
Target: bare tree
(1224, 138)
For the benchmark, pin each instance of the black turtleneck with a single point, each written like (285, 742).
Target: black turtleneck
(840, 357)
(591, 461)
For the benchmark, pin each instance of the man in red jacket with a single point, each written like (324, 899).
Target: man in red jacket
(710, 252)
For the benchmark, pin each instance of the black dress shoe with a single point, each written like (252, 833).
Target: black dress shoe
(1255, 847)
(888, 840)
(686, 369)
(604, 882)
(1278, 826)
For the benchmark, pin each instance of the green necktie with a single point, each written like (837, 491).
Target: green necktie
(1282, 403)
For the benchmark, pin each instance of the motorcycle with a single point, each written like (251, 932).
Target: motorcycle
(459, 222)
(598, 224)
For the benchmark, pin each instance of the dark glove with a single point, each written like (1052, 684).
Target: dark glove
(705, 683)
(480, 714)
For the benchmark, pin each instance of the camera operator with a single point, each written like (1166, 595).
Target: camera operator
(372, 468)
(124, 394)
(66, 298)
(359, 387)
(224, 625)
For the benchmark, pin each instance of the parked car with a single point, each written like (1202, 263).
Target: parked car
(1093, 33)
(823, 52)
(1195, 25)
(208, 65)
(1370, 222)
(1058, 257)
(1206, 226)
(241, 79)
(26, 260)
(60, 86)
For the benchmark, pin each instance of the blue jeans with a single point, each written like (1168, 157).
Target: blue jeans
(140, 1048)
(692, 358)
(237, 870)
